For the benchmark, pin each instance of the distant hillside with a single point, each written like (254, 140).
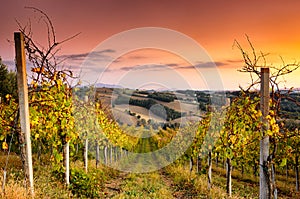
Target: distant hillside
(135, 107)
(101, 85)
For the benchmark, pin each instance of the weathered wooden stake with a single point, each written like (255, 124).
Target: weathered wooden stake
(105, 155)
(86, 150)
(228, 176)
(23, 104)
(264, 184)
(111, 155)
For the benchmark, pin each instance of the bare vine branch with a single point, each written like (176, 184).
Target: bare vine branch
(45, 64)
(253, 63)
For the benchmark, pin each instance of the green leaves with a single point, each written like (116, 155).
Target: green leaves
(241, 131)
(283, 162)
(83, 184)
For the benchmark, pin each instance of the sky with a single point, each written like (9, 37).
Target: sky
(163, 44)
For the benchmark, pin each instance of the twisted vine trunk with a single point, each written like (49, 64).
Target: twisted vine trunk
(191, 164)
(209, 171)
(255, 168)
(217, 159)
(243, 169)
(77, 149)
(97, 154)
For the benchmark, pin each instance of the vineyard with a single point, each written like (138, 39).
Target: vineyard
(79, 150)
(108, 160)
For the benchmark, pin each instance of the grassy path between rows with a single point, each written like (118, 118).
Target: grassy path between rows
(147, 185)
(158, 184)
(139, 185)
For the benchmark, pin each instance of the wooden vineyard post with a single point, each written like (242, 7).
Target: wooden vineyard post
(86, 148)
(105, 155)
(23, 104)
(264, 184)
(191, 164)
(228, 176)
(111, 155)
(67, 162)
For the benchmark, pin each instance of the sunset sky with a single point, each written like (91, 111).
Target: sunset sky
(272, 25)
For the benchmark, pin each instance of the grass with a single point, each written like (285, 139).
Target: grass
(195, 186)
(247, 184)
(46, 185)
(147, 185)
(174, 181)
(243, 186)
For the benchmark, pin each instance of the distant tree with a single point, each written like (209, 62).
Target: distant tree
(143, 122)
(8, 81)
